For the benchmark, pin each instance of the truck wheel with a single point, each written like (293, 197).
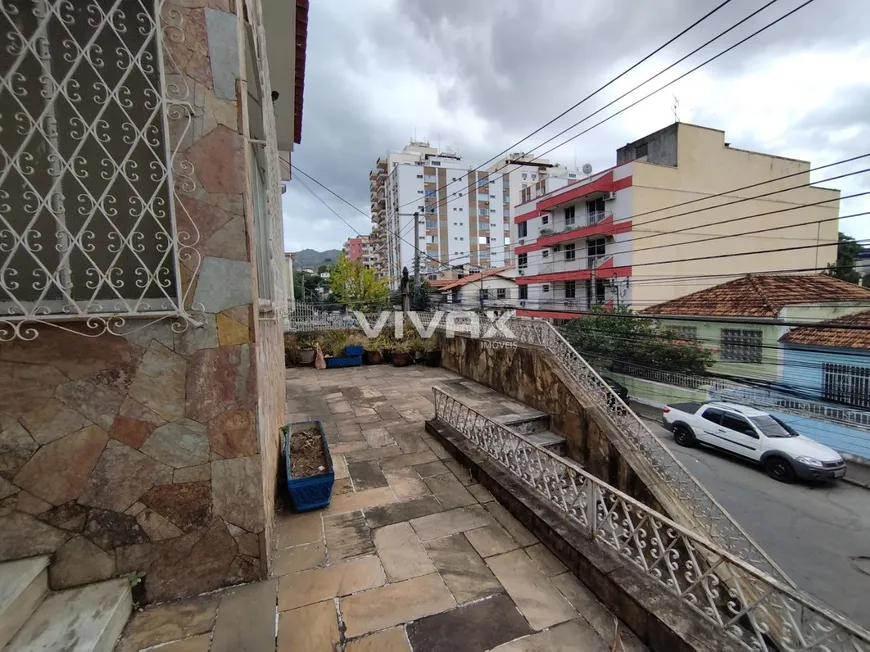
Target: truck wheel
(683, 436)
(779, 469)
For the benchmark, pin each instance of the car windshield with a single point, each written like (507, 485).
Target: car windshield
(772, 427)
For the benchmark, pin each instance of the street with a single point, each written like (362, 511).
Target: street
(819, 535)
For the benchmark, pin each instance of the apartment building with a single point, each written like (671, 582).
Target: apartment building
(360, 248)
(626, 236)
(465, 216)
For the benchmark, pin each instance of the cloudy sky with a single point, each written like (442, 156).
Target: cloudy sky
(476, 76)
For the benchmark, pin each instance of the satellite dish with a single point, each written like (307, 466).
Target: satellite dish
(587, 168)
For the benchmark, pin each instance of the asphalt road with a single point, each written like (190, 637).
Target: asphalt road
(817, 534)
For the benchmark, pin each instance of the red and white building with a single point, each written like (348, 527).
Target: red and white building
(572, 250)
(680, 211)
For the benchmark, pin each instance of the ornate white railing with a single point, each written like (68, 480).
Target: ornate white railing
(748, 605)
(92, 113)
(717, 524)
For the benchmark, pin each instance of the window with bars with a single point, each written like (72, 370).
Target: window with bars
(501, 293)
(569, 216)
(686, 333)
(570, 289)
(522, 261)
(524, 292)
(741, 345)
(87, 203)
(847, 384)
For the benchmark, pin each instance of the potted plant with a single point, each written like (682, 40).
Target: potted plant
(307, 350)
(401, 354)
(355, 344)
(433, 353)
(385, 346)
(418, 348)
(372, 353)
(308, 465)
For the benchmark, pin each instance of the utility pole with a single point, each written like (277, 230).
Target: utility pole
(416, 250)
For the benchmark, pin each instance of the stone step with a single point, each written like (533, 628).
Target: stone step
(549, 440)
(526, 424)
(86, 619)
(23, 585)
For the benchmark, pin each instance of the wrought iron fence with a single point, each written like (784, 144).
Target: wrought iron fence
(716, 523)
(94, 112)
(752, 608)
(659, 375)
(762, 399)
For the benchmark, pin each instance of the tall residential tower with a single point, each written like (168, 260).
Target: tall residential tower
(465, 216)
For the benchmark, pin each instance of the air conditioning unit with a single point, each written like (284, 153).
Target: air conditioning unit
(522, 304)
(521, 272)
(611, 196)
(521, 241)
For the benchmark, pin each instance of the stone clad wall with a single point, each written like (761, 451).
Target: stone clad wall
(142, 452)
(526, 374)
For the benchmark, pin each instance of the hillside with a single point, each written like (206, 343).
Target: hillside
(313, 259)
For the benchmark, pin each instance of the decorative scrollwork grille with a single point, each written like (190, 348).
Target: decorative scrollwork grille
(755, 610)
(88, 201)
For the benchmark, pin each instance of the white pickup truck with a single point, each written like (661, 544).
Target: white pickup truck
(756, 436)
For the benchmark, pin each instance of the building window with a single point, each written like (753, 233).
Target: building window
(484, 293)
(419, 176)
(522, 260)
(545, 219)
(525, 176)
(501, 293)
(569, 216)
(431, 224)
(686, 333)
(570, 289)
(545, 287)
(595, 292)
(524, 292)
(523, 230)
(570, 251)
(846, 384)
(545, 253)
(740, 345)
(595, 249)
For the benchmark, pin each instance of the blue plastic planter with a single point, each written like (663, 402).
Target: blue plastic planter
(353, 350)
(344, 361)
(314, 491)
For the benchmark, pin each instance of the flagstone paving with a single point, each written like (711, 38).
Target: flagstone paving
(411, 555)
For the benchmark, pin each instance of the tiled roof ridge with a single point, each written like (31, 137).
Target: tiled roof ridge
(759, 287)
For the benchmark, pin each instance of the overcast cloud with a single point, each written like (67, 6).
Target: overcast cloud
(476, 76)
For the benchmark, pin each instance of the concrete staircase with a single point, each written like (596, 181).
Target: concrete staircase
(33, 619)
(536, 427)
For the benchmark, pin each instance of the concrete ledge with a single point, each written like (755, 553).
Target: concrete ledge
(658, 618)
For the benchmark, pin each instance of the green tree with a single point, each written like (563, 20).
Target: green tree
(615, 337)
(847, 253)
(356, 286)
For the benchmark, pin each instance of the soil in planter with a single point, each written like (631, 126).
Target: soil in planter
(307, 456)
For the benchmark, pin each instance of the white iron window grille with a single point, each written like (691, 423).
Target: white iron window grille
(91, 104)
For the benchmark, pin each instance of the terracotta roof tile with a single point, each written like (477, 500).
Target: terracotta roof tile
(761, 296)
(472, 278)
(841, 338)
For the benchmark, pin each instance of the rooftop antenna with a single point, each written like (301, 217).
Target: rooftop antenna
(675, 108)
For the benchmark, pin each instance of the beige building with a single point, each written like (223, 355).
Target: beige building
(680, 211)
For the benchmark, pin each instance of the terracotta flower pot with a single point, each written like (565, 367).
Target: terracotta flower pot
(306, 356)
(372, 357)
(401, 359)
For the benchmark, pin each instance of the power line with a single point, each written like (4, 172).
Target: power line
(759, 31)
(590, 96)
(318, 198)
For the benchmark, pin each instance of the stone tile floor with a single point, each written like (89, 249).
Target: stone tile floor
(411, 554)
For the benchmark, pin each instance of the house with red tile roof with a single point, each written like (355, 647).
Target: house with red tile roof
(764, 308)
(490, 289)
